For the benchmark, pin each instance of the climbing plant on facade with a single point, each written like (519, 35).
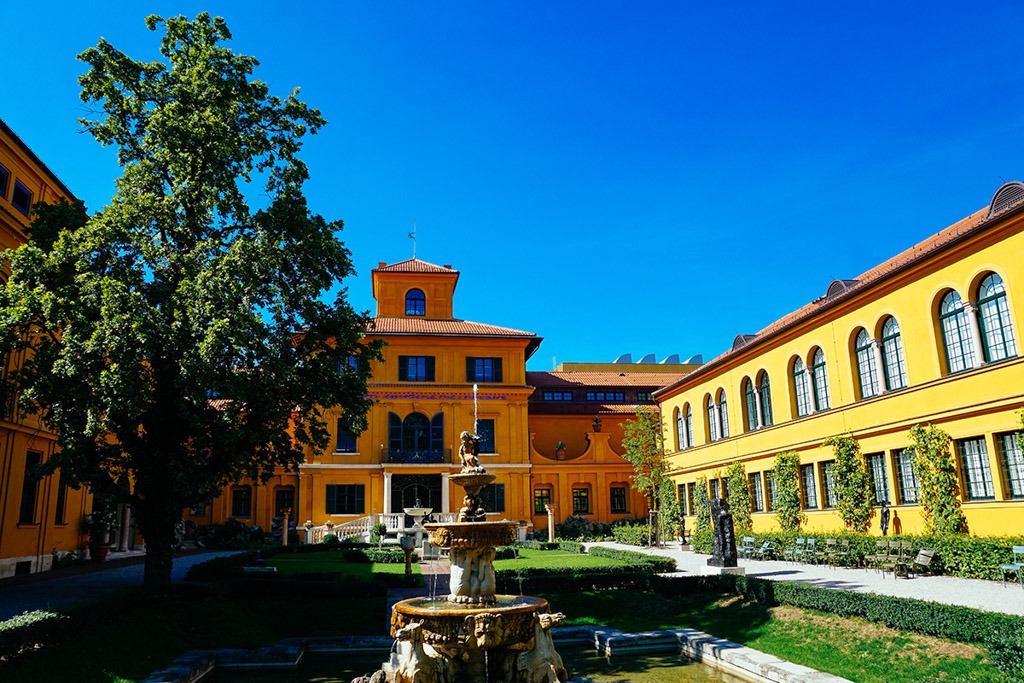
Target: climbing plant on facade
(854, 493)
(701, 539)
(937, 477)
(786, 471)
(737, 493)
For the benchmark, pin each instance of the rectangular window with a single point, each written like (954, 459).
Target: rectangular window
(5, 177)
(30, 488)
(644, 396)
(241, 501)
(284, 499)
(557, 395)
(580, 501)
(492, 498)
(416, 368)
(606, 396)
(757, 493)
(60, 513)
(483, 369)
(21, 198)
(1013, 464)
(773, 489)
(828, 483)
(541, 499)
(618, 498)
(485, 430)
(681, 497)
(346, 440)
(910, 490)
(810, 491)
(977, 476)
(346, 499)
(879, 476)
(715, 493)
(691, 491)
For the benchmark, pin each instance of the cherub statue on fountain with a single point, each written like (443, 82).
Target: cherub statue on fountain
(469, 452)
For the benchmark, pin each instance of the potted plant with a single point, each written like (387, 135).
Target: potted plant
(560, 450)
(99, 525)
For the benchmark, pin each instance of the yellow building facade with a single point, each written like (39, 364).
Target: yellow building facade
(440, 376)
(930, 336)
(37, 516)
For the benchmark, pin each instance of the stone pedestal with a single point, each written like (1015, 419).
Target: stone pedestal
(712, 571)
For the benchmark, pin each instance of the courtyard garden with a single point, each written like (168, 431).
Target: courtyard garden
(336, 592)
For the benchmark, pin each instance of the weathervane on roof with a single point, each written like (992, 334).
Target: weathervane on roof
(412, 236)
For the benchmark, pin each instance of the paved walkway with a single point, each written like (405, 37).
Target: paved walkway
(990, 596)
(62, 588)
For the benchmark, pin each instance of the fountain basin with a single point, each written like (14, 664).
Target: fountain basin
(472, 534)
(507, 623)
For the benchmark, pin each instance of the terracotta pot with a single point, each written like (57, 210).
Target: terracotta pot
(98, 553)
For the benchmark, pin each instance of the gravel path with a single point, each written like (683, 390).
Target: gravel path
(990, 596)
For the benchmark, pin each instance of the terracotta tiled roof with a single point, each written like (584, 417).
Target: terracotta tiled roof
(413, 265)
(445, 326)
(601, 379)
(867, 279)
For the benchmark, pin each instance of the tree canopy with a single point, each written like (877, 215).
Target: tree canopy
(179, 339)
(644, 450)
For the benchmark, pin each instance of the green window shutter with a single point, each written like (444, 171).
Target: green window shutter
(403, 368)
(470, 369)
(394, 432)
(430, 369)
(497, 370)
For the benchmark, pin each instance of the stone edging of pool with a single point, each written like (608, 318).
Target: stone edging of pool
(718, 653)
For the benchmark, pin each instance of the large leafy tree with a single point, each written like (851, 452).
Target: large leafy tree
(179, 340)
(644, 450)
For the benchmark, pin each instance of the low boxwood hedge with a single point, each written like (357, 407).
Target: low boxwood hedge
(29, 629)
(572, 579)
(1001, 634)
(568, 546)
(383, 555)
(652, 563)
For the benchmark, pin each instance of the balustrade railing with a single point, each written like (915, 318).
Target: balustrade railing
(437, 456)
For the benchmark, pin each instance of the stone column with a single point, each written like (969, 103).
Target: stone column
(387, 493)
(718, 420)
(286, 514)
(812, 402)
(972, 317)
(876, 352)
(551, 523)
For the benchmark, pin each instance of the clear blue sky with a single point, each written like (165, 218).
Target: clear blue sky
(616, 177)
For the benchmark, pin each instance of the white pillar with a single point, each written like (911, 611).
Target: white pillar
(812, 402)
(718, 420)
(551, 523)
(387, 493)
(445, 495)
(757, 408)
(972, 317)
(876, 352)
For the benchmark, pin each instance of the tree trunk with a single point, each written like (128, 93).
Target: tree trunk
(158, 532)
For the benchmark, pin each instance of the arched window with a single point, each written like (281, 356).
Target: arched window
(956, 334)
(688, 426)
(800, 388)
(415, 302)
(723, 414)
(751, 404)
(680, 435)
(415, 433)
(416, 438)
(821, 397)
(764, 387)
(894, 365)
(866, 370)
(996, 328)
(712, 411)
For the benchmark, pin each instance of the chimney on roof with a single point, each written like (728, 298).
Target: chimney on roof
(448, 266)
(381, 264)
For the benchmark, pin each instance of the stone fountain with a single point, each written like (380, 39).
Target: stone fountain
(473, 635)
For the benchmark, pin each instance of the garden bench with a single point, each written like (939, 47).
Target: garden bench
(1016, 566)
(747, 547)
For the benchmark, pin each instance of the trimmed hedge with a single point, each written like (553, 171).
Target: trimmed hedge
(654, 563)
(505, 552)
(26, 630)
(382, 556)
(1002, 634)
(631, 534)
(568, 546)
(969, 557)
(572, 579)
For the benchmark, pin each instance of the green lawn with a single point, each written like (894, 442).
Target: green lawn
(852, 648)
(554, 558)
(331, 563)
